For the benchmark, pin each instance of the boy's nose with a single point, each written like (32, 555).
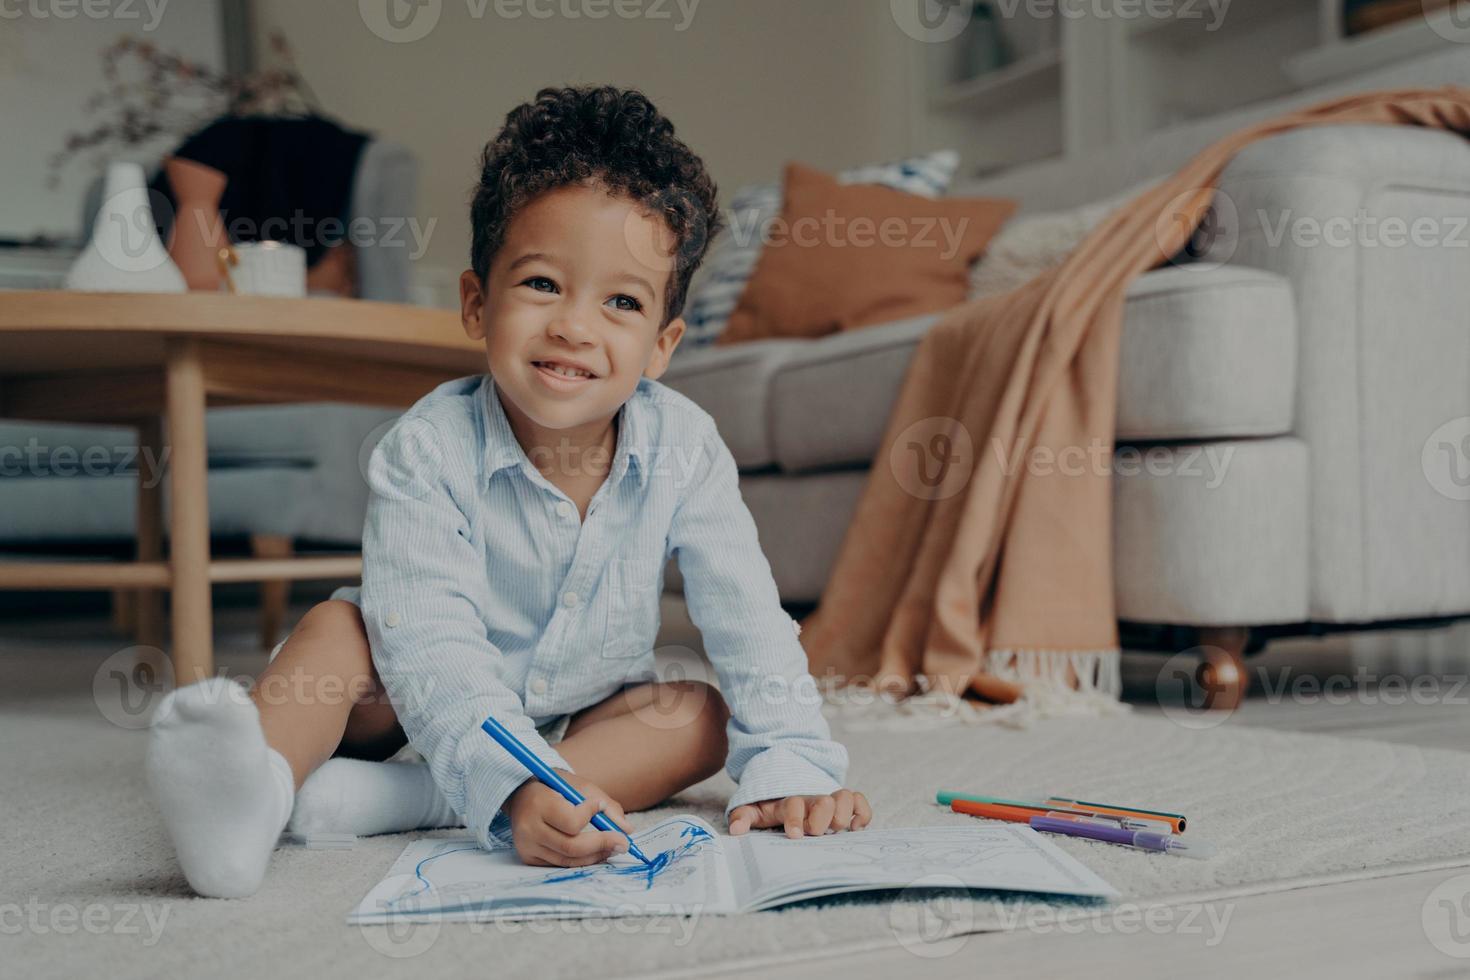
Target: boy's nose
(570, 328)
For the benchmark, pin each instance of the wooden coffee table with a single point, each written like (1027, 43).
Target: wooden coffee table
(156, 361)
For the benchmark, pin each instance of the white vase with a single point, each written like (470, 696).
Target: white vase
(125, 253)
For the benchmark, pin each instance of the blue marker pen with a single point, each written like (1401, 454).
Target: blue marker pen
(552, 778)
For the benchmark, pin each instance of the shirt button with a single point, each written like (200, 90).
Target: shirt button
(570, 600)
(392, 620)
(539, 685)
(564, 509)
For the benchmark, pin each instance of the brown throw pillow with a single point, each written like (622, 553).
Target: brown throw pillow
(843, 256)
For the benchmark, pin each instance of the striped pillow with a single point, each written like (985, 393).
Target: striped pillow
(733, 254)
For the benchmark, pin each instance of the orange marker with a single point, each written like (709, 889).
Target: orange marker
(1174, 820)
(1022, 813)
(998, 811)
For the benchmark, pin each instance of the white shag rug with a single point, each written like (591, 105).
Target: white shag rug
(1286, 811)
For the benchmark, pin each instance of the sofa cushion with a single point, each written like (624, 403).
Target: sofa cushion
(1244, 503)
(855, 255)
(1206, 353)
(245, 436)
(324, 446)
(45, 449)
(242, 500)
(733, 253)
(733, 385)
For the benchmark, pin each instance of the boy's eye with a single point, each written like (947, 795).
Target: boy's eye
(544, 285)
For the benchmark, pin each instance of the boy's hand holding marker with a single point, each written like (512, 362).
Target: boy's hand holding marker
(548, 830)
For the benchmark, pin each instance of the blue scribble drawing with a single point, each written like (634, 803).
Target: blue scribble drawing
(418, 872)
(601, 880)
(692, 835)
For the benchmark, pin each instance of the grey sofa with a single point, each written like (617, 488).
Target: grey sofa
(1274, 406)
(289, 473)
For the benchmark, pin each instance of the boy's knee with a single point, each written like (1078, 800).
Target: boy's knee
(332, 633)
(336, 616)
(701, 712)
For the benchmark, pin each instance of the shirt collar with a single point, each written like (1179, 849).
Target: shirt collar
(503, 450)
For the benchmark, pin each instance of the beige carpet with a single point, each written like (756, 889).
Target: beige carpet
(90, 882)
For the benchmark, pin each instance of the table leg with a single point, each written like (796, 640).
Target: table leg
(124, 619)
(148, 603)
(275, 594)
(193, 641)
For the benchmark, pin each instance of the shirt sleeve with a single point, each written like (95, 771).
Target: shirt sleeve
(425, 590)
(780, 745)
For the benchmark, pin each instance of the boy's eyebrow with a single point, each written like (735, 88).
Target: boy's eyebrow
(629, 277)
(542, 256)
(529, 257)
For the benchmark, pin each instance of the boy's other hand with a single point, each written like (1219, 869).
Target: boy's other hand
(802, 815)
(549, 831)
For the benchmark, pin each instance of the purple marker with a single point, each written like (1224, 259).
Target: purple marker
(1113, 834)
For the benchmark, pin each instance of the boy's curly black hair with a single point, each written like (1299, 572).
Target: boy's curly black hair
(606, 135)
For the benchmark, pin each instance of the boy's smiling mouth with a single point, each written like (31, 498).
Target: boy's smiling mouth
(563, 374)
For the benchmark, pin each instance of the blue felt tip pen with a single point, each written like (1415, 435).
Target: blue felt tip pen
(552, 778)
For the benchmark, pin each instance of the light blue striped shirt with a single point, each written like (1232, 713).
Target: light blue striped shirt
(484, 593)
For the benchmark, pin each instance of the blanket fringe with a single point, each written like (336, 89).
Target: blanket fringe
(1057, 683)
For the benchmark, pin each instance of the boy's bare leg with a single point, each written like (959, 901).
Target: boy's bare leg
(646, 743)
(224, 766)
(321, 694)
(321, 697)
(324, 710)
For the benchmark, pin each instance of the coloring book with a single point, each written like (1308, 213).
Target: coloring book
(697, 871)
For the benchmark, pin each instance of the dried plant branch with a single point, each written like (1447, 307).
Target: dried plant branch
(152, 93)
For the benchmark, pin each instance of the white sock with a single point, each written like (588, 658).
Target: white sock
(350, 796)
(224, 793)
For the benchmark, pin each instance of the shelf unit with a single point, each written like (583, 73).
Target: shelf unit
(1195, 21)
(1338, 56)
(1085, 80)
(1035, 75)
(35, 268)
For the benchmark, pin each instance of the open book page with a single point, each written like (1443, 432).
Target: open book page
(767, 869)
(456, 880)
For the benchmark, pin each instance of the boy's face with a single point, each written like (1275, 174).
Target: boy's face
(578, 284)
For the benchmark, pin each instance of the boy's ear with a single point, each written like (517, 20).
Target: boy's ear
(472, 305)
(663, 348)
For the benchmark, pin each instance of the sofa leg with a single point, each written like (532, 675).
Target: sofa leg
(275, 595)
(1223, 675)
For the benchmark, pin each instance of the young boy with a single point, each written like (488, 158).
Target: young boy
(513, 556)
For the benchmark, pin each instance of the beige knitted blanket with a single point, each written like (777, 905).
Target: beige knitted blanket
(967, 571)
